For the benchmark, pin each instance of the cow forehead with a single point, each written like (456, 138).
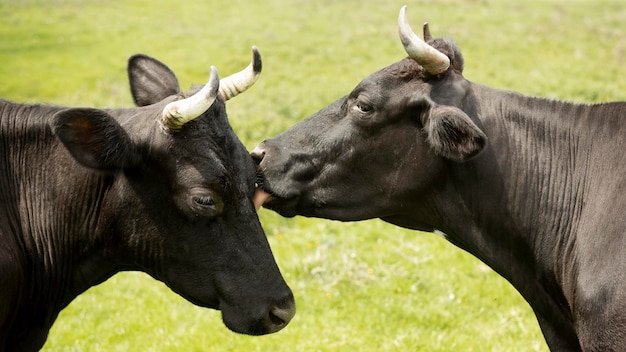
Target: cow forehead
(204, 151)
(208, 151)
(393, 77)
(404, 70)
(208, 142)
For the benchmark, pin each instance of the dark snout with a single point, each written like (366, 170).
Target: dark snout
(294, 165)
(258, 153)
(274, 184)
(253, 295)
(270, 317)
(284, 176)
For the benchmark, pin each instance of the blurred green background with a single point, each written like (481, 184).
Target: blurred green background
(364, 286)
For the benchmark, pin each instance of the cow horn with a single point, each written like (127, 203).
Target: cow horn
(433, 61)
(427, 36)
(177, 113)
(240, 81)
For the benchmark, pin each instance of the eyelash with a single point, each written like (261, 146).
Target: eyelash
(204, 201)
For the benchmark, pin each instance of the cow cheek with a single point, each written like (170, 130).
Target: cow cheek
(412, 171)
(188, 270)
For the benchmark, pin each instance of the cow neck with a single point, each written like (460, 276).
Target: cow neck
(43, 222)
(538, 179)
(520, 199)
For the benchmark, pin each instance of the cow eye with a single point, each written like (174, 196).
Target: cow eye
(363, 107)
(207, 204)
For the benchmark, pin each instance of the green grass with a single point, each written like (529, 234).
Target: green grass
(365, 286)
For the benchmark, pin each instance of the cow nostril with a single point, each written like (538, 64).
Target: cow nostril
(276, 320)
(257, 154)
(281, 316)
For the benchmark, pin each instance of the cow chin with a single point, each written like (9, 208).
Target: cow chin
(273, 198)
(283, 206)
(302, 207)
(312, 204)
(290, 206)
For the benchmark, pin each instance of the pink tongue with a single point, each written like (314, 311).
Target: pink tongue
(260, 196)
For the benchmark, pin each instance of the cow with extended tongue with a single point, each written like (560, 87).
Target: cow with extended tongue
(533, 187)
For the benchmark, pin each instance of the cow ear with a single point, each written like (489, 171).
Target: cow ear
(93, 138)
(150, 80)
(449, 131)
(452, 134)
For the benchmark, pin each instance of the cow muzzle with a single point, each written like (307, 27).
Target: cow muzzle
(271, 319)
(280, 183)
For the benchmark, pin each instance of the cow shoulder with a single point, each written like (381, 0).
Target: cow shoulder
(93, 138)
(150, 80)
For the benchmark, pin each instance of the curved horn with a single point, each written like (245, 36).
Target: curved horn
(433, 61)
(240, 81)
(177, 113)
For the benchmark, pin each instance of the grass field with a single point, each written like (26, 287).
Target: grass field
(364, 286)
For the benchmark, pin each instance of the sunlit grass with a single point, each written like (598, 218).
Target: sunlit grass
(365, 286)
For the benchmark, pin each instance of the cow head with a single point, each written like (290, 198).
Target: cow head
(382, 149)
(177, 194)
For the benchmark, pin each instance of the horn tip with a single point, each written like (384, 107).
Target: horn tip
(404, 28)
(427, 36)
(257, 62)
(213, 83)
(214, 74)
(402, 15)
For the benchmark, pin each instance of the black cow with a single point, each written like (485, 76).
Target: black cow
(532, 187)
(165, 189)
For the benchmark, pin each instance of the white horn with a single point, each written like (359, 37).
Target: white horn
(240, 81)
(177, 113)
(433, 60)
